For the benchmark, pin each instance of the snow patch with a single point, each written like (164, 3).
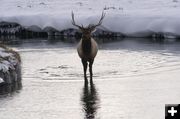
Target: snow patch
(136, 18)
(7, 60)
(1, 80)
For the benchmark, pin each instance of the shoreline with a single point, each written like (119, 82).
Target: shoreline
(17, 30)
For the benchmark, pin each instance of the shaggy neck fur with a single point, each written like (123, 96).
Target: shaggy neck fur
(86, 45)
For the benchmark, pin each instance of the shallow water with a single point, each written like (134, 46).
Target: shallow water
(133, 79)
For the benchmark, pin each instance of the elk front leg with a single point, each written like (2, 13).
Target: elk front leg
(90, 69)
(84, 62)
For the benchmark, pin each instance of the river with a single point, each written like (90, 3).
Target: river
(133, 79)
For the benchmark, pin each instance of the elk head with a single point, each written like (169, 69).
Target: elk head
(86, 31)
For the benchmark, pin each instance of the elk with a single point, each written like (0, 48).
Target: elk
(87, 47)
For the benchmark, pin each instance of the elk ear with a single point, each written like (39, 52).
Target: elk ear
(93, 30)
(81, 29)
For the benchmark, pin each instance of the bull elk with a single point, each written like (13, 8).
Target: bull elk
(87, 47)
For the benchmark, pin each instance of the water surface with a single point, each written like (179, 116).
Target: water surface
(133, 78)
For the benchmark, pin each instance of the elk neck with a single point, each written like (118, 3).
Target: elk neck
(86, 45)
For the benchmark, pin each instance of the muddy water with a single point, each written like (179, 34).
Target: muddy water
(133, 79)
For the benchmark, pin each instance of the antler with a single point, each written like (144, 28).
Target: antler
(100, 21)
(74, 23)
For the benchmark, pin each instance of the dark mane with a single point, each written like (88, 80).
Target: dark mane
(86, 46)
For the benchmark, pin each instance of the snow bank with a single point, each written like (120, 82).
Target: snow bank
(10, 69)
(135, 18)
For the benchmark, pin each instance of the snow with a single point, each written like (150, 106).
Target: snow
(1, 80)
(4, 54)
(4, 66)
(138, 18)
(7, 60)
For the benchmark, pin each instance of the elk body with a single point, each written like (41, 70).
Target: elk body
(87, 47)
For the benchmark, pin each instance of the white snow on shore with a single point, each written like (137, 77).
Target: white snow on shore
(139, 18)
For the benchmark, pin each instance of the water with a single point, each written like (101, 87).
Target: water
(133, 79)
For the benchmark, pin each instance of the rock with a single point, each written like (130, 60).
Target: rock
(10, 65)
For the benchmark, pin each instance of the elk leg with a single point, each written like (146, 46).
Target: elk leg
(84, 62)
(90, 69)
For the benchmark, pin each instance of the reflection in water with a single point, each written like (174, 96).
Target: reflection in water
(90, 100)
(10, 88)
